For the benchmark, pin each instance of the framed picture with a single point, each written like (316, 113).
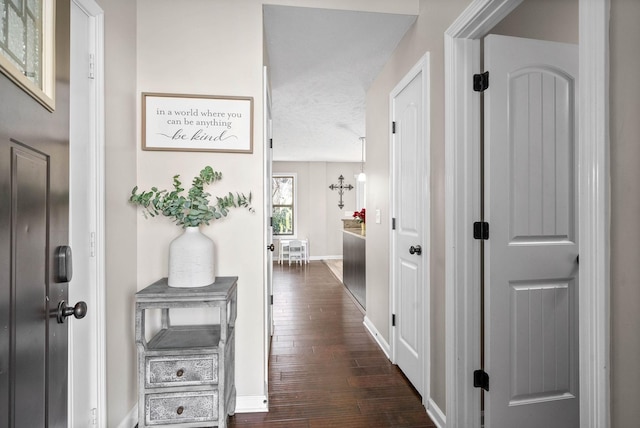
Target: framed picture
(200, 123)
(27, 47)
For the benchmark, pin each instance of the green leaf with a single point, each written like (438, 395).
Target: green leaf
(192, 209)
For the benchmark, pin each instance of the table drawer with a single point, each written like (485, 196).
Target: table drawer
(174, 371)
(183, 407)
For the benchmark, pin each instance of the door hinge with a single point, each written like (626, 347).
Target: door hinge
(393, 224)
(92, 66)
(271, 143)
(481, 230)
(271, 221)
(271, 299)
(92, 244)
(393, 127)
(393, 320)
(481, 81)
(481, 379)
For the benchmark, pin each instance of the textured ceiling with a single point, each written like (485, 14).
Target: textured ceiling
(321, 64)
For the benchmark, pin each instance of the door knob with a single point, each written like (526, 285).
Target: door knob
(271, 247)
(78, 311)
(415, 250)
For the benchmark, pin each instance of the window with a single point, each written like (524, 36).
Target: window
(283, 197)
(26, 46)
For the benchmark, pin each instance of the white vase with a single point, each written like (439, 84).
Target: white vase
(191, 260)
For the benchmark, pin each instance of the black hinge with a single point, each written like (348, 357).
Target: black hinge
(393, 320)
(271, 221)
(481, 230)
(272, 299)
(393, 127)
(481, 81)
(271, 143)
(393, 224)
(481, 379)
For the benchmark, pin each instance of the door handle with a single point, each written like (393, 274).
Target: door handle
(415, 250)
(271, 247)
(64, 311)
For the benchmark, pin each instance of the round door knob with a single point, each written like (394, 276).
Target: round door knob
(180, 410)
(64, 311)
(271, 247)
(180, 373)
(415, 250)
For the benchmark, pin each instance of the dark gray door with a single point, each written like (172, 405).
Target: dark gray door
(34, 183)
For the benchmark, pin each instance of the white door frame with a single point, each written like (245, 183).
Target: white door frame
(462, 133)
(268, 234)
(92, 9)
(422, 66)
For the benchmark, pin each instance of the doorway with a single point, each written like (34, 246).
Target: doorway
(462, 55)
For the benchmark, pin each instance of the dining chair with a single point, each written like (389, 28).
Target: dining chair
(296, 251)
(283, 253)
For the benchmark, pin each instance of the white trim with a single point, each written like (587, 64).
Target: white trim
(93, 10)
(131, 419)
(252, 404)
(421, 67)
(268, 230)
(337, 257)
(462, 255)
(101, 214)
(436, 415)
(373, 331)
(462, 107)
(594, 301)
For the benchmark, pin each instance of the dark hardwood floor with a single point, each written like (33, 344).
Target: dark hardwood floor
(325, 369)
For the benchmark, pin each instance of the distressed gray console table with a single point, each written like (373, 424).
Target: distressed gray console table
(186, 373)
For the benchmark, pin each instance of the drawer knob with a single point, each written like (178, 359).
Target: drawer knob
(180, 410)
(180, 373)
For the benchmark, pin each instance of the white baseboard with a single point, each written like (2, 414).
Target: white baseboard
(246, 404)
(436, 414)
(131, 419)
(252, 404)
(325, 258)
(377, 336)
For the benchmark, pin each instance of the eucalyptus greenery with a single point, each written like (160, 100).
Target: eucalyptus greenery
(193, 209)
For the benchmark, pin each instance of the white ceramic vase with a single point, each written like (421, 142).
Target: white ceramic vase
(191, 260)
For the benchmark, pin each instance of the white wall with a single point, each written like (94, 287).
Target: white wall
(121, 238)
(426, 35)
(214, 48)
(551, 20)
(319, 218)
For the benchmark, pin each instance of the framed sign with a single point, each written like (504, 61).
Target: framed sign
(199, 123)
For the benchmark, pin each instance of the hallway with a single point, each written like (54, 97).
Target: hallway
(325, 369)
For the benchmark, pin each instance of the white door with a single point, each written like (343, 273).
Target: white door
(410, 211)
(531, 266)
(86, 362)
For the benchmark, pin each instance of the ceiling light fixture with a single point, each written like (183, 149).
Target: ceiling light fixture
(362, 176)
